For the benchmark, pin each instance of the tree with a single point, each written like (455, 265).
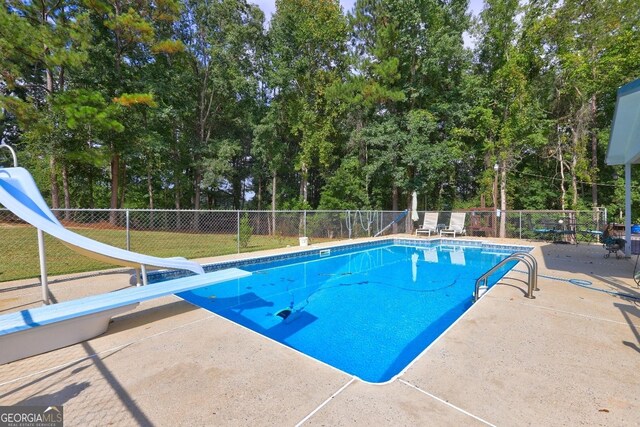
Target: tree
(223, 38)
(40, 42)
(412, 62)
(125, 38)
(508, 64)
(307, 57)
(584, 40)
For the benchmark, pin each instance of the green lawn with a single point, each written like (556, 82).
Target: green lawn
(19, 258)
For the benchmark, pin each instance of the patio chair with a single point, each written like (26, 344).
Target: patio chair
(456, 224)
(429, 224)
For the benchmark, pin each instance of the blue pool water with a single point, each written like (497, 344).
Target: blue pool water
(368, 313)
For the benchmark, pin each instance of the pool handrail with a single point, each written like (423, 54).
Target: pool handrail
(526, 259)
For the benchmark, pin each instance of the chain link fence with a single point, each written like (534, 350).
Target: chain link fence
(198, 234)
(186, 233)
(528, 224)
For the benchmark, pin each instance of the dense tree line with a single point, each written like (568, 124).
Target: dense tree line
(199, 104)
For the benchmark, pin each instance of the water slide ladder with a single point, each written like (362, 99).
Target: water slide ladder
(532, 274)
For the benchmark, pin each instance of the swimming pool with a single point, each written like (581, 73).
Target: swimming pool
(368, 312)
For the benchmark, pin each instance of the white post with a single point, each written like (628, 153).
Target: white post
(627, 208)
(143, 269)
(43, 268)
(128, 233)
(520, 225)
(238, 229)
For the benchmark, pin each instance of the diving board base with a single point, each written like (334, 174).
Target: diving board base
(41, 339)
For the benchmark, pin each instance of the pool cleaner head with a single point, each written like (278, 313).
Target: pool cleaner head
(284, 313)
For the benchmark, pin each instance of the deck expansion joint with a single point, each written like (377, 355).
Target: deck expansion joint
(323, 404)
(451, 405)
(570, 313)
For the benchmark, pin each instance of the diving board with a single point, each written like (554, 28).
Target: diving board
(38, 330)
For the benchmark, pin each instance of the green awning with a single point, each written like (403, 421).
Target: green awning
(624, 144)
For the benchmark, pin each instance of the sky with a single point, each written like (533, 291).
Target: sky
(269, 6)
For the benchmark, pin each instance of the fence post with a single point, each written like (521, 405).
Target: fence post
(305, 223)
(520, 225)
(128, 233)
(238, 230)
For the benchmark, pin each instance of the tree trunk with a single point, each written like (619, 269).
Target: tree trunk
(123, 183)
(563, 190)
(574, 167)
(196, 199)
(304, 183)
(90, 179)
(503, 200)
(150, 189)
(176, 170)
(65, 189)
(594, 155)
(394, 197)
(55, 190)
(242, 194)
(274, 181)
(259, 195)
(574, 180)
(115, 175)
(176, 199)
(196, 189)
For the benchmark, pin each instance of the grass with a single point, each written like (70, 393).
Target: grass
(20, 248)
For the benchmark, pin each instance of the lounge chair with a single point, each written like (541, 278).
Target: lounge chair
(457, 257)
(456, 224)
(431, 255)
(429, 224)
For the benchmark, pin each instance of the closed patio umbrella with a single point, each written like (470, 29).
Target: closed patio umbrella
(414, 206)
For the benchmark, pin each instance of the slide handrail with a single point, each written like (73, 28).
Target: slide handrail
(13, 153)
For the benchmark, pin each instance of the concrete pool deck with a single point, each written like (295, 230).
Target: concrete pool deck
(569, 357)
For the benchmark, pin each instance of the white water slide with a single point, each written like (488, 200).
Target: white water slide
(19, 194)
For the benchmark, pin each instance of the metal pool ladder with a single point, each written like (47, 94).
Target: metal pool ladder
(532, 268)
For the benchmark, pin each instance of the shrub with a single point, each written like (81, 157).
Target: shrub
(245, 232)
